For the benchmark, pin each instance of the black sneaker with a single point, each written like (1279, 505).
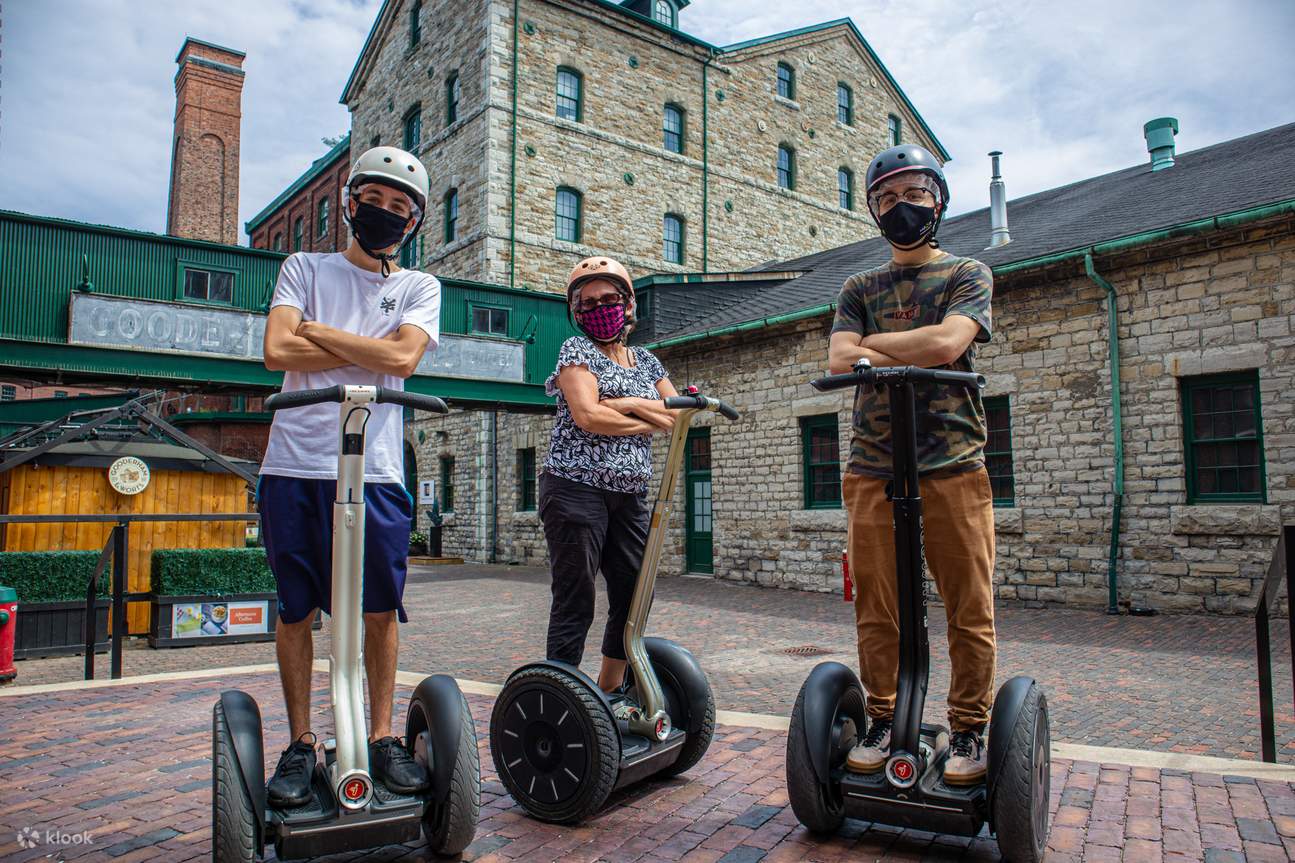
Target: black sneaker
(392, 765)
(967, 762)
(871, 752)
(290, 785)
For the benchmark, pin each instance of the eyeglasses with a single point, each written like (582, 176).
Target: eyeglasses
(591, 303)
(913, 195)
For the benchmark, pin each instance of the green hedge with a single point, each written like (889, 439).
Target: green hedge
(210, 571)
(50, 576)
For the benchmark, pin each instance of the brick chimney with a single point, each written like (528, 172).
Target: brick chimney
(204, 152)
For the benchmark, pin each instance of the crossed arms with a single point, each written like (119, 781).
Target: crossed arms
(930, 346)
(292, 344)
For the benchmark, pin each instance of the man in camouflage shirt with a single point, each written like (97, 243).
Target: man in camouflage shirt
(927, 308)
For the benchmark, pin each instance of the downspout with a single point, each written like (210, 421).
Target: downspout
(1113, 339)
(512, 167)
(705, 165)
(494, 485)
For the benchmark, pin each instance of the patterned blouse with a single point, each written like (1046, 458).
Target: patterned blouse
(610, 462)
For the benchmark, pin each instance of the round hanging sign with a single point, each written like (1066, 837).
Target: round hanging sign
(128, 475)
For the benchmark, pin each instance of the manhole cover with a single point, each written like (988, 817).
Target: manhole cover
(806, 650)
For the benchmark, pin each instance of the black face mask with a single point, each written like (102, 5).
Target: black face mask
(376, 228)
(907, 225)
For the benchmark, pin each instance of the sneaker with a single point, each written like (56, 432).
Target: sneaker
(870, 753)
(393, 766)
(968, 761)
(290, 785)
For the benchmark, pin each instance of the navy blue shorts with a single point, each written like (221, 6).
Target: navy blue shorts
(297, 527)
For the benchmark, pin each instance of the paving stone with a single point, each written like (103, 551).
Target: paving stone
(1254, 830)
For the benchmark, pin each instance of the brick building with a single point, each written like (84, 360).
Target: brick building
(1198, 253)
(307, 216)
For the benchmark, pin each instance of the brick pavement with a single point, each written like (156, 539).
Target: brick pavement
(129, 764)
(1171, 683)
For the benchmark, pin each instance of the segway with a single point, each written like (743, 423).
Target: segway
(560, 744)
(348, 811)
(830, 716)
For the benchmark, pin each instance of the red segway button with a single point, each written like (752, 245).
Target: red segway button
(354, 790)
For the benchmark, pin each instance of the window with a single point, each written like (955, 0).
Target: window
(415, 31)
(322, 218)
(8, 393)
(208, 285)
(451, 215)
(569, 94)
(673, 238)
(786, 166)
(409, 254)
(821, 453)
(298, 233)
(894, 130)
(662, 11)
(60, 394)
(568, 215)
(452, 99)
(786, 81)
(278, 242)
(844, 104)
(526, 479)
(998, 450)
(845, 188)
(447, 483)
(1223, 434)
(489, 320)
(413, 128)
(673, 128)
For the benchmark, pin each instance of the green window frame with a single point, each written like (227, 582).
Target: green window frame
(488, 320)
(820, 443)
(526, 479)
(447, 483)
(202, 283)
(568, 204)
(1223, 439)
(452, 93)
(415, 27)
(8, 393)
(786, 81)
(672, 128)
(409, 254)
(998, 450)
(570, 94)
(786, 166)
(663, 12)
(321, 217)
(844, 104)
(413, 125)
(845, 188)
(451, 215)
(894, 130)
(672, 238)
(298, 233)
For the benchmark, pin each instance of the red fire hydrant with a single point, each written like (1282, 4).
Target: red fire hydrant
(8, 626)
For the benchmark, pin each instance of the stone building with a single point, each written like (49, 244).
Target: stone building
(1197, 252)
(307, 216)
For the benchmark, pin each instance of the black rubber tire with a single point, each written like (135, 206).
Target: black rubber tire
(681, 714)
(600, 745)
(233, 823)
(817, 805)
(1020, 798)
(449, 827)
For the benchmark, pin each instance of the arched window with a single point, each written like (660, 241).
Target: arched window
(673, 128)
(845, 188)
(570, 94)
(452, 98)
(567, 215)
(451, 215)
(322, 218)
(844, 104)
(786, 81)
(298, 233)
(663, 11)
(786, 166)
(673, 238)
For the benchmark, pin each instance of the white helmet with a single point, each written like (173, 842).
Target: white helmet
(393, 167)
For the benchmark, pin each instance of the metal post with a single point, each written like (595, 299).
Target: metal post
(1266, 733)
(121, 532)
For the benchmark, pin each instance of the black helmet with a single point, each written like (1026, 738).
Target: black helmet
(907, 157)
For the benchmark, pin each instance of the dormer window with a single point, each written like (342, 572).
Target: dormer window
(663, 12)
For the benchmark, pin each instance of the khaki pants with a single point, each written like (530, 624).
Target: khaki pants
(958, 528)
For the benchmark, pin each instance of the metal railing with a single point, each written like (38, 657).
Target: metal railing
(1283, 563)
(115, 551)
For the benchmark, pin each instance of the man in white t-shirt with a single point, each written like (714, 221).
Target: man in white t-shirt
(346, 318)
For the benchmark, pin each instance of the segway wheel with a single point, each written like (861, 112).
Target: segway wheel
(554, 745)
(820, 806)
(681, 711)
(448, 825)
(1023, 784)
(233, 823)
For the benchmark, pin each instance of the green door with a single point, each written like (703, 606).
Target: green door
(698, 528)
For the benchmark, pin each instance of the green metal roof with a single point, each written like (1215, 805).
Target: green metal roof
(364, 49)
(316, 168)
(848, 22)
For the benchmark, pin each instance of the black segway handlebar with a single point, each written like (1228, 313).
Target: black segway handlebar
(896, 375)
(701, 403)
(302, 398)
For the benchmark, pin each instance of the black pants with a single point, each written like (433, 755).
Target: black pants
(588, 530)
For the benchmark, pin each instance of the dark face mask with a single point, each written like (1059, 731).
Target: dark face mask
(376, 228)
(907, 225)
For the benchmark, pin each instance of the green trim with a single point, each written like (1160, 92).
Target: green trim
(212, 64)
(791, 167)
(849, 187)
(683, 232)
(653, 23)
(221, 417)
(1187, 387)
(849, 103)
(791, 80)
(413, 115)
(205, 43)
(1003, 403)
(447, 483)
(580, 93)
(579, 214)
(526, 480)
(683, 128)
(319, 166)
(1117, 422)
(182, 266)
(364, 50)
(809, 425)
(133, 234)
(450, 232)
(473, 305)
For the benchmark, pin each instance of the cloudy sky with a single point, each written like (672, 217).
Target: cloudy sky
(1061, 87)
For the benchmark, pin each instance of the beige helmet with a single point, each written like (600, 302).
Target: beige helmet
(600, 267)
(393, 167)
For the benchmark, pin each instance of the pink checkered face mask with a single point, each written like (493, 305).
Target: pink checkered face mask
(603, 323)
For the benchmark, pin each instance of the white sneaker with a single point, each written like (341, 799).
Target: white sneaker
(870, 753)
(968, 760)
